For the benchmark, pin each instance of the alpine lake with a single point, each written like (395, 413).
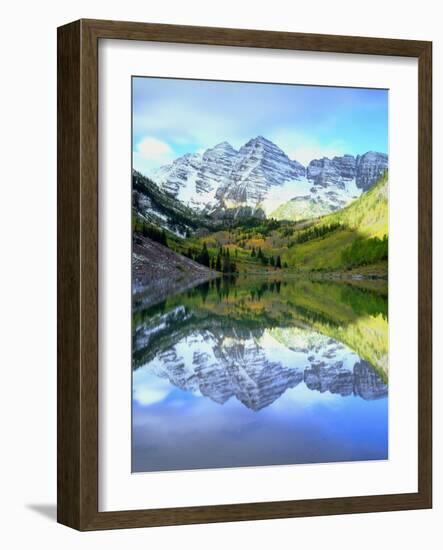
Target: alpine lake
(260, 371)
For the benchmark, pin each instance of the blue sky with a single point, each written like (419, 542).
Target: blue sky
(172, 117)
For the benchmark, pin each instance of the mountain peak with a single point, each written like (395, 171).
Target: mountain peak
(224, 145)
(260, 140)
(373, 154)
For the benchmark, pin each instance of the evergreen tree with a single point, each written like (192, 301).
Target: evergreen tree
(272, 261)
(278, 263)
(253, 252)
(218, 265)
(203, 257)
(226, 265)
(152, 232)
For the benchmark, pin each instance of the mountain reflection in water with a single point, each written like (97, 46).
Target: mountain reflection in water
(258, 373)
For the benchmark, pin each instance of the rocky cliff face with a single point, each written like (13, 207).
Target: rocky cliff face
(260, 165)
(369, 167)
(339, 171)
(216, 167)
(261, 177)
(177, 176)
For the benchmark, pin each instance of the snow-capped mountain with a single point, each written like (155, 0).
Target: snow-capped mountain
(263, 178)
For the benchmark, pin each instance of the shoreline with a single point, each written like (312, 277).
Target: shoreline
(157, 290)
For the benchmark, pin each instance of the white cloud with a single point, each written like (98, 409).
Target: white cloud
(151, 147)
(151, 153)
(149, 389)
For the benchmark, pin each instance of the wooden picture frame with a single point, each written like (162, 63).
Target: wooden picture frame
(78, 274)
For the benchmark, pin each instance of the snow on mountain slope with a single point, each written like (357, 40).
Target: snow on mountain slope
(178, 178)
(317, 200)
(195, 178)
(261, 168)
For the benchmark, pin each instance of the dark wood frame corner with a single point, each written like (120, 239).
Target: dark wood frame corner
(77, 456)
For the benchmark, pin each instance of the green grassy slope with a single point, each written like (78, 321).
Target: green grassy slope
(299, 209)
(365, 218)
(368, 214)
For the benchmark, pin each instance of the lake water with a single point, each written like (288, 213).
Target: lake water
(254, 372)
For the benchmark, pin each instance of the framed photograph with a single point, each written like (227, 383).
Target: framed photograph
(244, 275)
